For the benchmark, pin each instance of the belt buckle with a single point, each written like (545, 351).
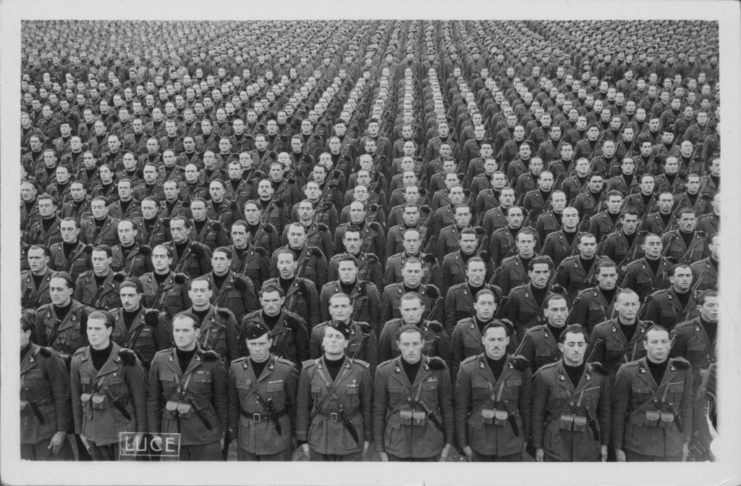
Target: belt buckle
(256, 418)
(334, 417)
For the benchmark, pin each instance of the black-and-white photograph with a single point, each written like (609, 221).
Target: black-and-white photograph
(370, 238)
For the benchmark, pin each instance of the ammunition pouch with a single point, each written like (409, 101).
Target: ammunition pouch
(653, 417)
(667, 419)
(487, 415)
(179, 409)
(501, 417)
(413, 418)
(572, 422)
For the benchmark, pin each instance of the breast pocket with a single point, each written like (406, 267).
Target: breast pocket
(480, 390)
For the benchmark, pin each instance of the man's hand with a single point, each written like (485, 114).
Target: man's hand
(469, 452)
(603, 453)
(539, 455)
(384, 457)
(85, 442)
(366, 446)
(619, 455)
(685, 451)
(56, 442)
(305, 450)
(446, 452)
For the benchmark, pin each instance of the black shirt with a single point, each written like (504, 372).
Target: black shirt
(574, 372)
(200, 314)
(628, 329)
(161, 277)
(258, 367)
(654, 264)
(711, 328)
(100, 356)
(539, 294)
(411, 369)
(556, 331)
(334, 366)
(683, 297)
(128, 317)
(184, 357)
(270, 321)
(657, 369)
(219, 279)
(496, 365)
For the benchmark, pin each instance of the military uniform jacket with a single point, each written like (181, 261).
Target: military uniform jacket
(477, 390)
(178, 209)
(431, 393)
(321, 402)
(32, 296)
(590, 308)
(708, 224)
(314, 265)
(44, 382)
(640, 277)
(546, 224)
(290, 335)
(252, 263)
(558, 247)
(676, 250)
(137, 260)
(691, 342)
(212, 234)
(237, 293)
(601, 224)
(194, 261)
(494, 219)
(465, 342)
(553, 394)
(153, 235)
(523, 310)
(276, 384)
(142, 337)
(69, 335)
(664, 308)
(108, 234)
(704, 275)
(39, 235)
(124, 385)
(362, 343)
(502, 244)
(364, 298)
(430, 269)
(436, 343)
(635, 201)
(77, 263)
(302, 298)
(391, 298)
(511, 274)
(219, 333)
(202, 384)
(459, 303)
(539, 347)
(612, 346)
(369, 268)
(170, 297)
(636, 393)
(104, 297)
(133, 211)
(571, 275)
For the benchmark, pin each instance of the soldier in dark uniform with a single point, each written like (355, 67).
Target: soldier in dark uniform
(618, 339)
(35, 281)
(652, 404)
(164, 289)
(98, 287)
(412, 403)
(539, 346)
(595, 304)
(45, 229)
(696, 340)
(187, 393)
(333, 421)
(571, 405)
(248, 260)
(670, 306)
(129, 256)
(524, 304)
(460, 297)
(108, 390)
(411, 274)
(288, 331)
(604, 222)
(649, 273)
(300, 293)
(467, 332)
(190, 257)
(492, 401)
(45, 413)
(217, 325)
(685, 244)
(369, 264)
(364, 295)
(411, 247)
(152, 230)
(576, 273)
(229, 290)
(513, 271)
(562, 243)
(311, 263)
(502, 241)
(205, 228)
(705, 271)
(100, 229)
(262, 400)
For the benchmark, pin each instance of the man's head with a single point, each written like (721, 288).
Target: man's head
(657, 344)
(186, 328)
(539, 271)
(556, 310)
(99, 328)
(495, 339)
(680, 277)
(573, 344)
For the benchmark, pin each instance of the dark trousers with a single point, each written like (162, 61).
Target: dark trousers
(82, 453)
(631, 456)
(40, 451)
(413, 459)
(315, 456)
(284, 455)
(487, 458)
(107, 452)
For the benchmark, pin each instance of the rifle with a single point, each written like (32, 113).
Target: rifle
(303, 262)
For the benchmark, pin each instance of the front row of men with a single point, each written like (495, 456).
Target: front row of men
(572, 408)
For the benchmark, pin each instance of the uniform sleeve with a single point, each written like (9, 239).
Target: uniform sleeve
(249, 297)
(234, 402)
(621, 395)
(219, 393)
(56, 373)
(371, 351)
(442, 346)
(324, 305)
(386, 310)
(688, 406)
(604, 411)
(445, 391)
(374, 307)
(540, 399)
(462, 405)
(449, 311)
(137, 383)
(232, 339)
(524, 401)
(315, 344)
(154, 399)
(163, 332)
(457, 352)
(380, 405)
(303, 406)
(291, 384)
(384, 344)
(75, 391)
(313, 301)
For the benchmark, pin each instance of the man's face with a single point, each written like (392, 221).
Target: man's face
(126, 233)
(525, 245)
(347, 272)
(37, 261)
(101, 263)
(259, 349)
(539, 275)
(47, 208)
(412, 274)
(59, 292)
(296, 236)
(682, 279)
(340, 309)
(411, 242)
(216, 189)
(410, 344)
(271, 303)
(184, 333)
(687, 222)
(556, 312)
(515, 218)
(657, 345)
(710, 309)
(476, 274)
(97, 333)
(595, 183)
(130, 298)
(220, 262)
(495, 339)
(573, 348)
(178, 230)
(200, 294)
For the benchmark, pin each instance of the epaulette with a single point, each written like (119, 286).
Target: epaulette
(435, 327)
(519, 362)
(79, 351)
(145, 250)
(470, 359)
(385, 364)
(362, 363)
(151, 317)
(680, 363)
(549, 365)
(239, 360)
(307, 363)
(284, 361)
(224, 313)
(364, 326)
(598, 367)
(179, 278)
(239, 284)
(44, 351)
(210, 355)
(436, 363)
(128, 356)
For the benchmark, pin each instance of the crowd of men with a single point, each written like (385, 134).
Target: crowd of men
(489, 240)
